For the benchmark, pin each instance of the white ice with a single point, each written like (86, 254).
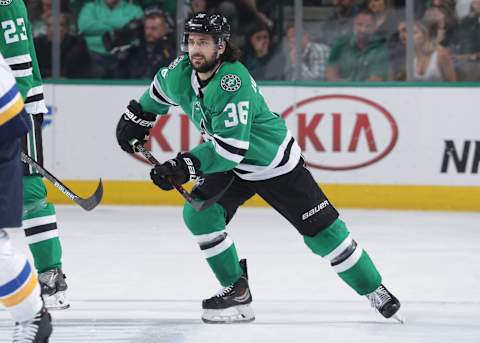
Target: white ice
(137, 275)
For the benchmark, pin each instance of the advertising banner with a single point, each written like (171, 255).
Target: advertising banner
(401, 136)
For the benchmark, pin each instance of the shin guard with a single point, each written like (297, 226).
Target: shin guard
(208, 227)
(347, 258)
(40, 225)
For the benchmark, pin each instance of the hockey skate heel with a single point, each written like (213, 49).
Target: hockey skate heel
(385, 303)
(53, 289)
(37, 330)
(231, 304)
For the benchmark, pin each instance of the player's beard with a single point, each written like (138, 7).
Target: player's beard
(206, 66)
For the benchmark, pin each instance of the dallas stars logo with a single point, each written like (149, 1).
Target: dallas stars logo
(5, 2)
(231, 83)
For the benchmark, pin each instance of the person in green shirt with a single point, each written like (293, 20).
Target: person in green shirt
(97, 18)
(246, 149)
(361, 56)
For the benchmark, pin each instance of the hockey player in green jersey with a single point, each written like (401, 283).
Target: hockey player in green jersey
(39, 220)
(245, 141)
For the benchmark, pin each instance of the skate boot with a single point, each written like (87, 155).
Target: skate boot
(385, 303)
(231, 304)
(37, 330)
(53, 289)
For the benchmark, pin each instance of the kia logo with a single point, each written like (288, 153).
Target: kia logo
(342, 132)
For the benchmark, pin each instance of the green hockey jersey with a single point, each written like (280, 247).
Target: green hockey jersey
(16, 45)
(239, 130)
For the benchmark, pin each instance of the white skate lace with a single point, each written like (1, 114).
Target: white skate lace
(48, 278)
(379, 297)
(25, 332)
(224, 291)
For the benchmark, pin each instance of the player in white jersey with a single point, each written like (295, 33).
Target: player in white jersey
(19, 287)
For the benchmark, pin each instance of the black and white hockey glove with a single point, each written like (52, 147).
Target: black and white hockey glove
(182, 168)
(134, 124)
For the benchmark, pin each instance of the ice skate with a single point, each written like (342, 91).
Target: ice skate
(385, 303)
(37, 330)
(53, 289)
(231, 304)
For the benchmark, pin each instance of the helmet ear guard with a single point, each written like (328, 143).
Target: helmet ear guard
(215, 25)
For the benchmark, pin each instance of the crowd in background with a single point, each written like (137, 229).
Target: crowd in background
(343, 40)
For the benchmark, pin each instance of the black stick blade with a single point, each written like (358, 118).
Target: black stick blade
(91, 202)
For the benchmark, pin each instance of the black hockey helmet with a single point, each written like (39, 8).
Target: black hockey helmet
(210, 24)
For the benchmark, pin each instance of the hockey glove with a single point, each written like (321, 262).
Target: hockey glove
(134, 124)
(182, 168)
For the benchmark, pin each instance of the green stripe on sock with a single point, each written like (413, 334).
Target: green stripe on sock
(35, 200)
(47, 254)
(327, 240)
(225, 266)
(363, 277)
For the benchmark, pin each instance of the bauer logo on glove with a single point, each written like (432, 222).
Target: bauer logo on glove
(181, 169)
(128, 115)
(134, 124)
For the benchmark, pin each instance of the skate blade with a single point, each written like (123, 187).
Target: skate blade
(233, 315)
(57, 301)
(399, 318)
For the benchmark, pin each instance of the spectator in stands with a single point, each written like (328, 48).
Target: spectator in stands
(41, 10)
(155, 51)
(340, 22)
(239, 12)
(361, 56)
(262, 59)
(199, 6)
(432, 61)
(314, 57)
(74, 56)
(167, 6)
(462, 8)
(242, 7)
(441, 21)
(97, 18)
(397, 53)
(466, 44)
(449, 5)
(419, 8)
(386, 18)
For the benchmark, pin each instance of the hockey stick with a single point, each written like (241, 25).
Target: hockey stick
(87, 204)
(197, 204)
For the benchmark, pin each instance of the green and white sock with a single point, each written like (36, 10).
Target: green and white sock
(347, 258)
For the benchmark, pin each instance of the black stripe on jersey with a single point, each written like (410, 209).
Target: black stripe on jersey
(21, 66)
(34, 98)
(241, 171)
(286, 153)
(39, 229)
(35, 136)
(230, 148)
(158, 95)
(213, 243)
(285, 158)
(345, 254)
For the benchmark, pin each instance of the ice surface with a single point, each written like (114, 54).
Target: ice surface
(137, 275)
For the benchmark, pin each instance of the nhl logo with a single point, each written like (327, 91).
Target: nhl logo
(5, 2)
(231, 83)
